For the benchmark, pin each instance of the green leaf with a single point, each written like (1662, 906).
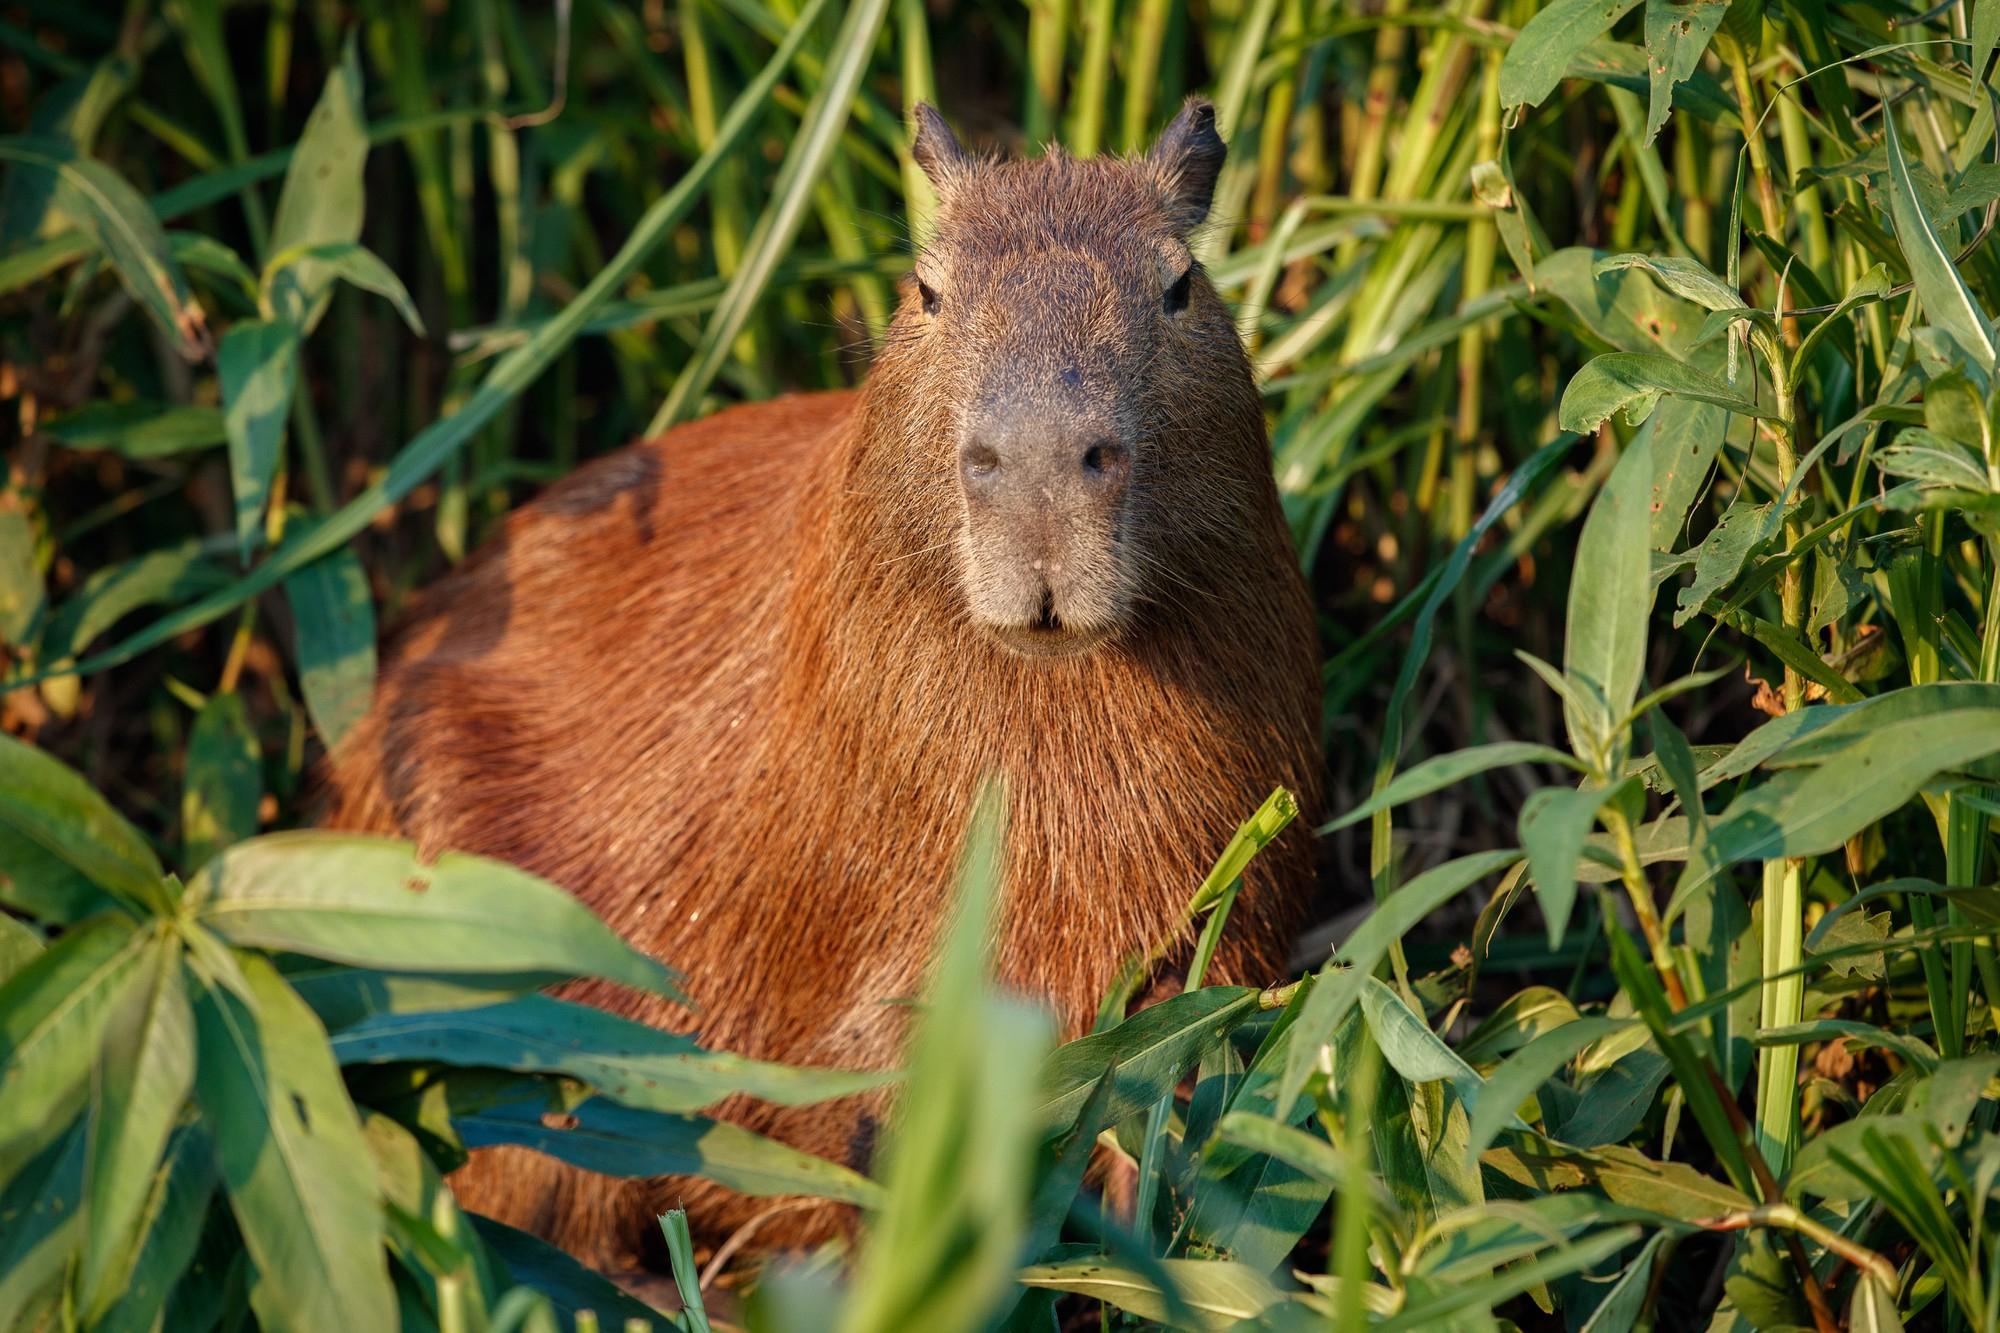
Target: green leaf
(334, 618)
(600, 1135)
(169, 1230)
(1340, 982)
(1148, 1053)
(1555, 824)
(311, 1222)
(143, 1078)
(1446, 769)
(1614, 1104)
(1610, 599)
(53, 1014)
(1434, 1307)
(1742, 530)
(1872, 1309)
(680, 1252)
(139, 429)
(1634, 382)
(1527, 1070)
(374, 902)
(570, 1286)
(629, 1062)
(1671, 1190)
(1683, 436)
(1689, 279)
(171, 574)
(118, 219)
(321, 202)
(1541, 52)
(259, 367)
(225, 780)
(1803, 812)
(1410, 1047)
(1948, 300)
(1870, 286)
(41, 1203)
(1219, 1294)
(1676, 36)
(46, 800)
(40, 884)
(346, 260)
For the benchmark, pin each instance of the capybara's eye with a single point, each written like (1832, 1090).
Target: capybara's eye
(1177, 295)
(930, 297)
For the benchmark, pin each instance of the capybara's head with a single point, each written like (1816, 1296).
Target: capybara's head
(1069, 387)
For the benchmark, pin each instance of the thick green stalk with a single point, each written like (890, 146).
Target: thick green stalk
(1093, 81)
(1144, 37)
(1048, 36)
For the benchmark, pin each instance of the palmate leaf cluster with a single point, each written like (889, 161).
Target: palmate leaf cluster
(1690, 304)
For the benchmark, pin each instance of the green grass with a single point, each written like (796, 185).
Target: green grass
(1644, 473)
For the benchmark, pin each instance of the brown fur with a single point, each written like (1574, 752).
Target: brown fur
(726, 686)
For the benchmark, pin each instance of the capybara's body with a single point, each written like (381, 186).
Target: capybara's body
(725, 687)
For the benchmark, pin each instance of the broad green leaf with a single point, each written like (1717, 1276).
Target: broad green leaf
(374, 902)
(169, 1230)
(1622, 309)
(1614, 1104)
(1447, 769)
(1670, 1189)
(1683, 436)
(1634, 381)
(1625, 1302)
(1947, 300)
(1410, 1047)
(1610, 599)
(321, 202)
(1985, 36)
(957, 1172)
(119, 220)
(224, 780)
(311, 1222)
(1688, 279)
(53, 1014)
(20, 944)
(346, 260)
(1803, 812)
(1870, 286)
(259, 367)
(1340, 983)
(343, 996)
(1527, 1070)
(600, 1135)
(1516, 1021)
(139, 429)
(171, 574)
(1147, 1053)
(1676, 36)
(680, 1251)
(46, 800)
(1872, 1308)
(1554, 826)
(42, 1205)
(1218, 1293)
(569, 1286)
(38, 883)
(142, 1079)
(1434, 1307)
(1541, 52)
(627, 1061)
(21, 569)
(1742, 530)
(1308, 1152)
(334, 617)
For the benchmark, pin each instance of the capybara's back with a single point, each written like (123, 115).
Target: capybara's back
(737, 687)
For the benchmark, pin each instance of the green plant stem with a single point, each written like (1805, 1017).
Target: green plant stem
(1784, 1217)
(1641, 894)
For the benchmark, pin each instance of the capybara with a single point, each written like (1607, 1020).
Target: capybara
(738, 686)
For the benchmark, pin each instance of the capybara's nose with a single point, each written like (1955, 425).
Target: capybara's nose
(1044, 473)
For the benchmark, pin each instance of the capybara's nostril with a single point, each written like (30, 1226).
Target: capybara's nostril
(979, 464)
(1105, 464)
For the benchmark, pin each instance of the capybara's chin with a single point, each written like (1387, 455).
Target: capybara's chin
(727, 685)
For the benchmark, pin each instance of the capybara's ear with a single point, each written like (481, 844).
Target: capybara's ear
(935, 148)
(1189, 158)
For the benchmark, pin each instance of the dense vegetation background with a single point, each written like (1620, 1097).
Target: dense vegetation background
(1631, 384)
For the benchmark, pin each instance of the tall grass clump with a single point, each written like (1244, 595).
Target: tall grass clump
(1631, 371)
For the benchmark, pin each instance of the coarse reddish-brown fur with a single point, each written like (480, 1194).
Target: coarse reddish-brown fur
(724, 686)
